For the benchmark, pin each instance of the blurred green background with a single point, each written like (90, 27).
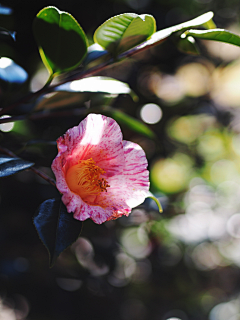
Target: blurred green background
(181, 264)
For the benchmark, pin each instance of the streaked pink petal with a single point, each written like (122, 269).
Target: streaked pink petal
(136, 173)
(97, 137)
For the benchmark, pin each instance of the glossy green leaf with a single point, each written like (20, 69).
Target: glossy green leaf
(56, 227)
(79, 91)
(215, 34)
(162, 35)
(124, 31)
(130, 122)
(62, 42)
(97, 84)
(10, 166)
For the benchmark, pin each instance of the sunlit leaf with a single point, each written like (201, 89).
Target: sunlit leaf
(79, 91)
(62, 42)
(124, 31)
(97, 84)
(11, 74)
(163, 34)
(130, 122)
(209, 24)
(10, 166)
(215, 34)
(56, 227)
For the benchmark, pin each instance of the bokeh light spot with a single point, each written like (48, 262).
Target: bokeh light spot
(233, 225)
(6, 127)
(151, 113)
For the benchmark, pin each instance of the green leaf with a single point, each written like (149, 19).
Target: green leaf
(124, 31)
(56, 227)
(209, 24)
(62, 42)
(10, 166)
(150, 195)
(80, 91)
(98, 84)
(130, 122)
(162, 35)
(215, 34)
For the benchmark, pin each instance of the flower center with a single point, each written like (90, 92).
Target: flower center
(84, 179)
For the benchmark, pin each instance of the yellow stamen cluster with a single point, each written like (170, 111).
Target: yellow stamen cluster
(84, 179)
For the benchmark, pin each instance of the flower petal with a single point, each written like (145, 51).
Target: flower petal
(131, 188)
(97, 137)
(136, 174)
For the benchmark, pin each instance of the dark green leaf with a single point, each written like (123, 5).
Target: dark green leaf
(215, 34)
(11, 74)
(124, 31)
(188, 45)
(62, 42)
(56, 227)
(130, 122)
(10, 166)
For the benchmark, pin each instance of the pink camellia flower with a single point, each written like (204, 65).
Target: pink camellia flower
(100, 175)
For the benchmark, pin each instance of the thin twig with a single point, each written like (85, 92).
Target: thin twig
(44, 176)
(36, 171)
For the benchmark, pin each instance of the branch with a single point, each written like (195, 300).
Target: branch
(157, 38)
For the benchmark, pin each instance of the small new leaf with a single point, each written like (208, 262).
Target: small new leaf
(56, 227)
